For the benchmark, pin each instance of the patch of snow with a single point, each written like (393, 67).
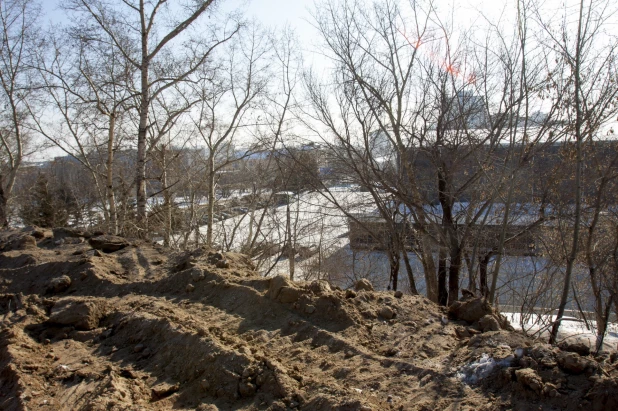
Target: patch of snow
(572, 329)
(477, 370)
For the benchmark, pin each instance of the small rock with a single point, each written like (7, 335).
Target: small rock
(19, 242)
(128, 373)
(462, 332)
(426, 379)
(320, 287)
(139, 348)
(529, 378)
(61, 233)
(363, 284)
(108, 243)
(489, 323)
(223, 264)
(190, 288)
(79, 313)
(572, 362)
(36, 232)
(310, 309)
(289, 294)
(276, 284)
(470, 310)
(391, 352)
(398, 294)
(59, 284)
(576, 347)
(386, 312)
(246, 389)
(164, 390)
(213, 258)
(350, 294)
(197, 274)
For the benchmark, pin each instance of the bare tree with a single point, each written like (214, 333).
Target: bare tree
(144, 33)
(229, 99)
(19, 25)
(587, 69)
(443, 108)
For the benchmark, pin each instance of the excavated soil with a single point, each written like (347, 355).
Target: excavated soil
(145, 328)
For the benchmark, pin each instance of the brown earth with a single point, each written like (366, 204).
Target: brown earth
(145, 328)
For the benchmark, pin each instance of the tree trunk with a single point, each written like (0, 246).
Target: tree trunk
(211, 198)
(167, 204)
(4, 222)
(429, 267)
(289, 243)
(483, 263)
(140, 175)
(111, 200)
(406, 261)
(602, 321)
(393, 254)
(442, 291)
(453, 275)
(578, 184)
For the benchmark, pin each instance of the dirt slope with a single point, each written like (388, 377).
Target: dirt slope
(143, 328)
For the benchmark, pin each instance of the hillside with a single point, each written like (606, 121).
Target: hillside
(145, 328)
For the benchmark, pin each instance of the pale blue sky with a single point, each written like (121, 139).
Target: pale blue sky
(297, 14)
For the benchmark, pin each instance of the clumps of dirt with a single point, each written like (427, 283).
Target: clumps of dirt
(144, 328)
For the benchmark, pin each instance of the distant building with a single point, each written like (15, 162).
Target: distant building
(370, 231)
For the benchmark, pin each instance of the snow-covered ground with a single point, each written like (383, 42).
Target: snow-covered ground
(572, 329)
(314, 220)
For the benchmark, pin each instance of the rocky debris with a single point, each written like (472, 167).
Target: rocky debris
(36, 232)
(462, 332)
(18, 241)
(83, 314)
(190, 288)
(573, 363)
(470, 310)
(576, 347)
(163, 390)
(320, 287)
(59, 284)
(398, 294)
(108, 243)
(529, 378)
(246, 342)
(363, 285)
(489, 323)
(289, 294)
(222, 264)
(386, 312)
(214, 258)
(276, 284)
(247, 389)
(350, 294)
(62, 233)
(197, 274)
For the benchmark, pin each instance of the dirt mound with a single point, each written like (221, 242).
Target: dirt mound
(143, 328)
